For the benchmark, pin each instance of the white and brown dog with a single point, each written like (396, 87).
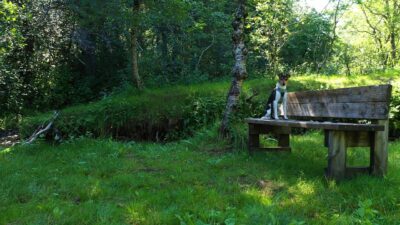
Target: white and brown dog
(277, 95)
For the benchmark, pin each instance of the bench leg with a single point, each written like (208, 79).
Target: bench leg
(336, 155)
(284, 141)
(379, 154)
(254, 139)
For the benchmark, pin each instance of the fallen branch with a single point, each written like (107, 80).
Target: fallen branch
(41, 131)
(255, 94)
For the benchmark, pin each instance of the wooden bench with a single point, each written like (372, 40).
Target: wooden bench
(366, 107)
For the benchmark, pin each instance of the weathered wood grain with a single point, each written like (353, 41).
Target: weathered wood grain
(366, 103)
(358, 139)
(366, 110)
(381, 93)
(354, 139)
(318, 125)
(284, 140)
(370, 102)
(380, 149)
(337, 155)
(264, 129)
(254, 139)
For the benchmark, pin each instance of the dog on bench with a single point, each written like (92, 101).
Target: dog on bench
(277, 95)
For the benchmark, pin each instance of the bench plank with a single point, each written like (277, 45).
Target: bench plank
(370, 102)
(367, 110)
(361, 103)
(379, 93)
(318, 125)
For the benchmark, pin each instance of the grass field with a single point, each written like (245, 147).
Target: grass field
(171, 113)
(195, 181)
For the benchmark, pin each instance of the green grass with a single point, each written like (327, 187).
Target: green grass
(194, 181)
(199, 180)
(171, 113)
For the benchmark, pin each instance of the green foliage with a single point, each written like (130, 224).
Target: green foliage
(194, 181)
(10, 82)
(395, 106)
(173, 112)
(158, 114)
(269, 23)
(306, 47)
(59, 53)
(371, 31)
(366, 214)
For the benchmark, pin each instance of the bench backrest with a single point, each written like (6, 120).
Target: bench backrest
(371, 102)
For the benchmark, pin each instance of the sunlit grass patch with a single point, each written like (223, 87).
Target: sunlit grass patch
(105, 182)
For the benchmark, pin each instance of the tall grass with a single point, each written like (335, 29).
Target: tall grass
(193, 181)
(173, 112)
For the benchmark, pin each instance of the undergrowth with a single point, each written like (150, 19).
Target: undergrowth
(176, 112)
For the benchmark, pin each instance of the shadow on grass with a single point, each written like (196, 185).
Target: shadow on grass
(309, 197)
(105, 182)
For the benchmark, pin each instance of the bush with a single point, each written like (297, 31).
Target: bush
(174, 112)
(161, 114)
(395, 107)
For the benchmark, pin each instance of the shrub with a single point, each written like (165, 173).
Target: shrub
(395, 107)
(174, 112)
(160, 114)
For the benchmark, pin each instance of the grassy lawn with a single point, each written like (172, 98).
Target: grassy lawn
(194, 181)
(90, 181)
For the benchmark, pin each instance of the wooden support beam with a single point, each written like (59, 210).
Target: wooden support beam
(284, 141)
(337, 155)
(254, 139)
(358, 139)
(380, 149)
(315, 125)
(265, 129)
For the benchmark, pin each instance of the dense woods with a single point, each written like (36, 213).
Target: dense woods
(148, 112)
(58, 53)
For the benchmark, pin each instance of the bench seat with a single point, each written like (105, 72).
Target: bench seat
(370, 103)
(318, 125)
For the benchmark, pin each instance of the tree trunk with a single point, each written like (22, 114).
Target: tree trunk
(137, 6)
(348, 69)
(239, 71)
(333, 39)
(135, 66)
(394, 48)
(390, 21)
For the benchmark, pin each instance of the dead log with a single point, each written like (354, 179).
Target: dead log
(41, 130)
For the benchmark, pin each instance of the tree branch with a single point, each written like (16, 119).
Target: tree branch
(40, 131)
(202, 53)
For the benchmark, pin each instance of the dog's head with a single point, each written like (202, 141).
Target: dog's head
(284, 78)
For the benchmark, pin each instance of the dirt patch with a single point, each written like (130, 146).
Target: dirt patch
(245, 181)
(269, 186)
